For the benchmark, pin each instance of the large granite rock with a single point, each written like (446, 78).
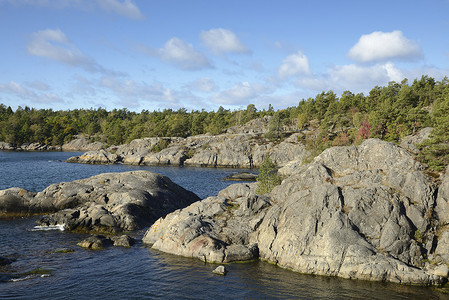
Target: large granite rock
(95, 157)
(82, 144)
(110, 202)
(362, 212)
(216, 229)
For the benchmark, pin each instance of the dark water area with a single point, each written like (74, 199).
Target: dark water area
(39, 271)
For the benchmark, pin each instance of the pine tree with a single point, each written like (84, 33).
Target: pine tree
(268, 177)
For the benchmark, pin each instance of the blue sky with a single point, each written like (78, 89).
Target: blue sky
(143, 54)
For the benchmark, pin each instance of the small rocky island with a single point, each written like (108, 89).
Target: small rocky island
(110, 202)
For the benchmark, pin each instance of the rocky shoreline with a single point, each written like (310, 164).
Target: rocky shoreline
(77, 144)
(367, 212)
(243, 150)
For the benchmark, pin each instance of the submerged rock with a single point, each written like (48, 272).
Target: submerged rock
(99, 242)
(96, 242)
(110, 202)
(243, 176)
(64, 250)
(5, 261)
(360, 212)
(123, 241)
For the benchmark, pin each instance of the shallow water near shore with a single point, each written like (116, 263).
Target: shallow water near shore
(41, 270)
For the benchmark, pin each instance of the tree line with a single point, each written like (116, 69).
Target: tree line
(388, 112)
(46, 126)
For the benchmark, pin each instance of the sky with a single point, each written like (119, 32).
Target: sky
(203, 54)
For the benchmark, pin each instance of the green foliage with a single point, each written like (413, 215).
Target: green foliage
(116, 127)
(275, 131)
(418, 236)
(268, 177)
(161, 145)
(435, 151)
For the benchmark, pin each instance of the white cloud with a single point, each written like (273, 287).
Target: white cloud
(182, 55)
(205, 85)
(38, 85)
(131, 93)
(53, 44)
(381, 46)
(16, 89)
(293, 65)
(222, 41)
(126, 8)
(353, 77)
(239, 93)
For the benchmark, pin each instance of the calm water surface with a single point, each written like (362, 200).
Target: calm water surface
(140, 272)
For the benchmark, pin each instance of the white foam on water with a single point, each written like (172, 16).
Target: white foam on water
(60, 227)
(23, 278)
(28, 277)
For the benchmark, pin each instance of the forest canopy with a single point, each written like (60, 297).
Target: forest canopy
(389, 113)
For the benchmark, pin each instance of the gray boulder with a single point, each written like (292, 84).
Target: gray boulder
(220, 270)
(123, 241)
(99, 242)
(96, 242)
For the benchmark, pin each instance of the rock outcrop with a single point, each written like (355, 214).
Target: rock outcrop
(110, 202)
(82, 144)
(95, 157)
(29, 147)
(361, 212)
(6, 146)
(244, 150)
